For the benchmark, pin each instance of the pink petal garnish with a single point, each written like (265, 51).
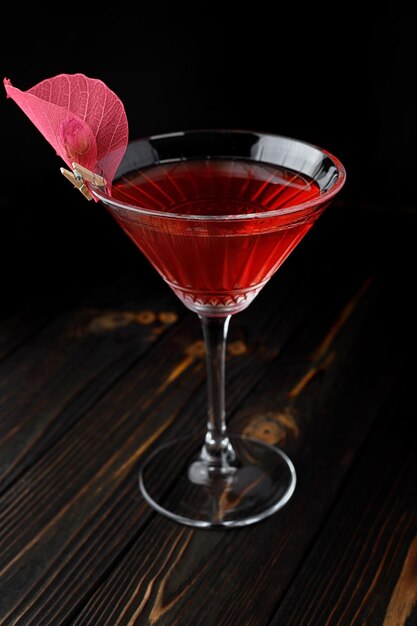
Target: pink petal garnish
(80, 117)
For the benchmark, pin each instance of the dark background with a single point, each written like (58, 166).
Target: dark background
(346, 85)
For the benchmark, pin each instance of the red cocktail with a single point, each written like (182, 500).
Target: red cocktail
(219, 264)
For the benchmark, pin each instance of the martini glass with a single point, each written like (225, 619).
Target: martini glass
(217, 213)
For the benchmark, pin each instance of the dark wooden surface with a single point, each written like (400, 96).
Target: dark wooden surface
(322, 363)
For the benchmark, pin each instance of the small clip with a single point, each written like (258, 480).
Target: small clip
(78, 182)
(83, 173)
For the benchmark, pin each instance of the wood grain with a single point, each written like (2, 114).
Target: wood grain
(63, 369)
(310, 367)
(362, 569)
(403, 601)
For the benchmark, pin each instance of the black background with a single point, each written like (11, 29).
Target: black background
(346, 85)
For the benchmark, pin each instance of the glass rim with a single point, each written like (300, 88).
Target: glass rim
(308, 204)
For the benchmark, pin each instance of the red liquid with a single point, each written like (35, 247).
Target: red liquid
(221, 264)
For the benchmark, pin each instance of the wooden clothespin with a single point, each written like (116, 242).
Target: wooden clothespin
(82, 173)
(79, 184)
(79, 176)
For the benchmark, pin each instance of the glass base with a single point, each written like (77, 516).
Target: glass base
(178, 482)
(218, 304)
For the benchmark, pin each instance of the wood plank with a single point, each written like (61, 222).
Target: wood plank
(77, 511)
(362, 569)
(170, 573)
(54, 377)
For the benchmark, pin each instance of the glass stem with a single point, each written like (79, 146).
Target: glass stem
(217, 449)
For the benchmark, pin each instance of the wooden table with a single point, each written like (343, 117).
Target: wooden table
(322, 363)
